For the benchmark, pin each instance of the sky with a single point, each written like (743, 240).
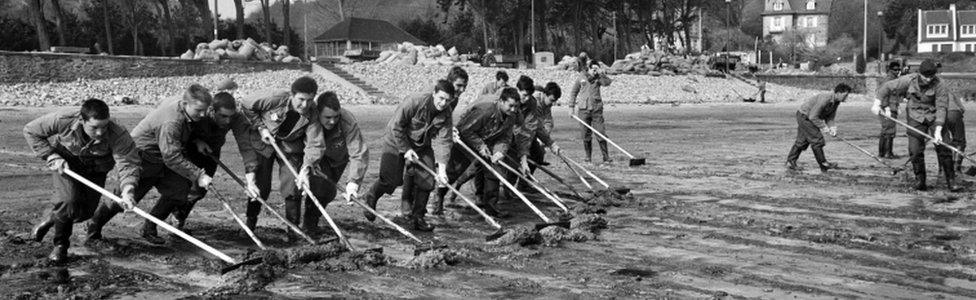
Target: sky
(225, 8)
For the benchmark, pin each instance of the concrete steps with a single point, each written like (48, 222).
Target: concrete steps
(351, 79)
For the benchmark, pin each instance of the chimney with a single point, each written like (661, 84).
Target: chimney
(952, 8)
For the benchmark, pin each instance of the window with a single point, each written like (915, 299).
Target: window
(778, 22)
(969, 47)
(935, 48)
(778, 5)
(968, 30)
(811, 21)
(811, 5)
(937, 30)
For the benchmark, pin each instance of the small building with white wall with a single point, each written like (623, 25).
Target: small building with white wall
(948, 30)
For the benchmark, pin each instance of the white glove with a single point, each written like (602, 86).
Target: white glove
(455, 134)
(411, 156)
(833, 130)
(876, 107)
(202, 147)
(555, 149)
(887, 111)
(572, 111)
(204, 180)
(937, 137)
(524, 167)
(56, 163)
(825, 130)
(302, 180)
(266, 136)
(251, 186)
(441, 173)
(352, 191)
(484, 151)
(498, 156)
(128, 197)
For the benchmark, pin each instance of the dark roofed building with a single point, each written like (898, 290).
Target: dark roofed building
(947, 30)
(362, 34)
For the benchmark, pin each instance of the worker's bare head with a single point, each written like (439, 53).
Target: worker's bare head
(841, 91)
(328, 108)
(303, 92)
(94, 118)
(196, 102)
(443, 94)
(509, 100)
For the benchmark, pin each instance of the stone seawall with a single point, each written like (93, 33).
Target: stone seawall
(27, 67)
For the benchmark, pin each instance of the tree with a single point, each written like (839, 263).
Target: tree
(108, 29)
(286, 25)
(36, 9)
(266, 12)
(239, 20)
(59, 20)
(132, 21)
(170, 28)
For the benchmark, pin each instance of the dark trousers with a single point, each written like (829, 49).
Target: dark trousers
(594, 118)
(916, 149)
(286, 185)
(322, 184)
(888, 130)
(957, 131)
(537, 153)
(807, 135)
(464, 167)
(75, 201)
(172, 187)
(209, 165)
(417, 183)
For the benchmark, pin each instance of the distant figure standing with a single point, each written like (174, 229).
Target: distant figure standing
(501, 81)
(586, 91)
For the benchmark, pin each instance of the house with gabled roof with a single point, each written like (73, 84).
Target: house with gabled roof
(361, 34)
(947, 30)
(808, 18)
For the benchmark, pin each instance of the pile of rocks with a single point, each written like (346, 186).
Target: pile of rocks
(240, 50)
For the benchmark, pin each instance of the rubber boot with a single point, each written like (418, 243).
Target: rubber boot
(149, 233)
(40, 230)
(959, 158)
(62, 240)
(101, 216)
(419, 207)
(792, 157)
(891, 144)
(406, 198)
(822, 160)
(919, 170)
(588, 148)
(605, 152)
(950, 175)
(439, 201)
(311, 217)
(370, 198)
(882, 146)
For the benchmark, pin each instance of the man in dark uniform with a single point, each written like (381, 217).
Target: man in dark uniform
(486, 127)
(888, 127)
(289, 119)
(815, 118)
(89, 143)
(957, 129)
(928, 102)
(458, 78)
(161, 138)
(420, 131)
(501, 81)
(586, 93)
(345, 147)
(533, 116)
(208, 136)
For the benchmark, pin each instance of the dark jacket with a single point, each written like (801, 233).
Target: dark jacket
(416, 124)
(269, 109)
(531, 120)
(345, 143)
(925, 103)
(820, 109)
(162, 135)
(62, 133)
(586, 91)
(484, 124)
